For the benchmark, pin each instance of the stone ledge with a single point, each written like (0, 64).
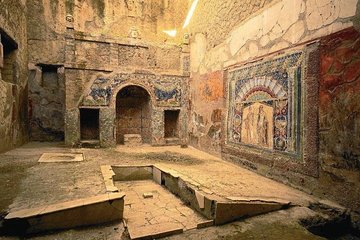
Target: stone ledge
(81, 212)
(155, 231)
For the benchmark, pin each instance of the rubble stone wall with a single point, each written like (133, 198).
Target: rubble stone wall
(13, 76)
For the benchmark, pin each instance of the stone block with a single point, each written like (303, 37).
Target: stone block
(148, 195)
(132, 139)
(82, 212)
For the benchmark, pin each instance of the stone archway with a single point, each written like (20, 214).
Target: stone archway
(133, 113)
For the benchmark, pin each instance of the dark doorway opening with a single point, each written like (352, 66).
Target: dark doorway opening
(171, 120)
(89, 124)
(133, 113)
(8, 57)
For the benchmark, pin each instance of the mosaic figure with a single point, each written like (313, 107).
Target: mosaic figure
(261, 95)
(249, 124)
(262, 127)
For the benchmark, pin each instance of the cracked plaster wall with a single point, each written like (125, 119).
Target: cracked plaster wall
(278, 26)
(13, 89)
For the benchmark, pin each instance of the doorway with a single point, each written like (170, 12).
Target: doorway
(133, 113)
(171, 120)
(89, 124)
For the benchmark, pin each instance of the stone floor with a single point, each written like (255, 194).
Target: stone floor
(149, 206)
(26, 183)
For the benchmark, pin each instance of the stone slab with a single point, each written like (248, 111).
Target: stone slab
(155, 231)
(81, 212)
(108, 174)
(61, 157)
(230, 211)
(205, 224)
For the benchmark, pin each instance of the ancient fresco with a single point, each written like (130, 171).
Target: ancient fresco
(167, 90)
(211, 87)
(264, 103)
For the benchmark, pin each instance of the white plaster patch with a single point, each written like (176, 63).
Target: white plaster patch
(347, 8)
(249, 30)
(289, 14)
(295, 32)
(197, 51)
(61, 157)
(253, 49)
(264, 40)
(335, 27)
(216, 57)
(321, 12)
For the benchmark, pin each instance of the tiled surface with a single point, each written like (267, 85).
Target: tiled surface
(162, 209)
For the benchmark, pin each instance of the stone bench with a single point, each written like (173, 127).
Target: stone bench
(132, 140)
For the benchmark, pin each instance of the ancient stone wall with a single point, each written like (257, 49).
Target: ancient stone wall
(117, 19)
(166, 92)
(85, 38)
(13, 74)
(46, 27)
(220, 57)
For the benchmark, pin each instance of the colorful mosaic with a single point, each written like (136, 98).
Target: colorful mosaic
(264, 103)
(168, 93)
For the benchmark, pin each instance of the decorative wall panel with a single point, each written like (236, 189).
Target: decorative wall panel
(265, 103)
(167, 90)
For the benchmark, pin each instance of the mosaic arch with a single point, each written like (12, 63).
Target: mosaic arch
(165, 91)
(265, 104)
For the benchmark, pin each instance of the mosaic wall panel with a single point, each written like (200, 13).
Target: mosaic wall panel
(167, 90)
(265, 102)
(168, 93)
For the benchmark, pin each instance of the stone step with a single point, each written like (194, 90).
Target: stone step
(90, 143)
(172, 141)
